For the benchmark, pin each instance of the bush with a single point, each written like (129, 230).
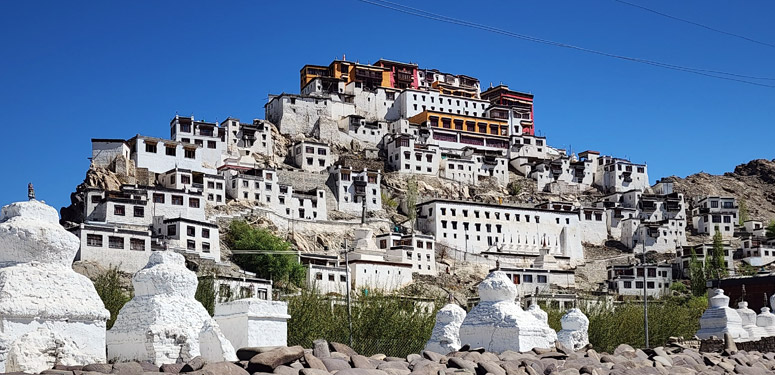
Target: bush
(271, 260)
(205, 293)
(623, 324)
(388, 201)
(108, 286)
(391, 325)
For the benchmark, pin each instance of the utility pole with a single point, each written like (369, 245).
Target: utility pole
(645, 296)
(347, 279)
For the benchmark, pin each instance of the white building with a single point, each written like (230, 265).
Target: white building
(105, 151)
(405, 155)
(469, 167)
(111, 246)
(190, 236)
(160, 155)
(411, 102)
(263, 186)
(758, 251)
(379, 275)
(210, 138)
(311, 156)
(527, 280)
(245, 140)
(325, 273)
(352, 188)
(475, 227)
(211, 186)
(715, 213)
(414, 249)
(616, 174)
(628, 280)
(229, 288)
(365, 131)
(451, 84)
(663, 236)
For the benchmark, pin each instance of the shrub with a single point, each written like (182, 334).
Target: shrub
(108, 286)
(271, 260)
(205, 293)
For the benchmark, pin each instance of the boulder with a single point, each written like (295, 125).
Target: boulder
(335, 364)
(270, 360)
(342, 348)
(320, 349)
(313, 362)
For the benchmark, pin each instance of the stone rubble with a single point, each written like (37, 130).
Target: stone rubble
(674, 358)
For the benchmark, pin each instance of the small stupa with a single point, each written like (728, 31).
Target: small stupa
(445, 337)
(574, 334)
(44, 304)
(498, 324)
(536, 310)
(766, 321)
(164, 323)
(748, 318)
(719, 319)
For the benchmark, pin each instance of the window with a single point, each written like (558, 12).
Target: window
(150, 148)
(542, 279)
(205, 247)
(137, 244)
(210, 144)
(193, 202)
(95, 198)
(627, 284)
(139, 211)
(343, 278)
(190, 230)
(650, 285)
(527, 278)
(190, 154)
(172, 230)
(170, 150)
(116, 242)
(177, 200)
(205, 233)
(191, 245)
(713, 204)
(118, 210)
(639, 284)
(94, 240)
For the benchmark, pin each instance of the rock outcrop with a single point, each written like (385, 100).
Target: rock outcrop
(163, 323)
(497, 323)
(445, 337)
(48, 312)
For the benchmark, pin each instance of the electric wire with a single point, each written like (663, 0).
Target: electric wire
(696, 24)
(441, 18)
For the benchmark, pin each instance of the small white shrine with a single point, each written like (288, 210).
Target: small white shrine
(575, 326)
(498, 323)
(719, 319)
(163, 323)
(445, 337)
(44, 303)
(253, 322)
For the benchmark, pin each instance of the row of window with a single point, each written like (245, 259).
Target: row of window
(171, 150)
(639, 285)
(518, 279)
(497, 215)
(115, 242)
(176, 200)
(199, 142)
(172, 230)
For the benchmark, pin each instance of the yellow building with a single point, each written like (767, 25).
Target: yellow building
(369, 75)
(468, 124)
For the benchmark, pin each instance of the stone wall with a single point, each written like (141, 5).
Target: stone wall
(765, 345)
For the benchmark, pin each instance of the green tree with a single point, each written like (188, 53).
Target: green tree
(271, 259)
(411, 201)
(746, 269)
(771, 229)
(743, 213)
(205, 293)
(714, 264)
(108, 286)
(697, 275)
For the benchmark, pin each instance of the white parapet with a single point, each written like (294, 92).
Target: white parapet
(254, 322)
(445, 337)
(498, 324)
(164, 323)
(43, 302)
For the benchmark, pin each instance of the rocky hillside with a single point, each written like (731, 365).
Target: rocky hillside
(752, 183)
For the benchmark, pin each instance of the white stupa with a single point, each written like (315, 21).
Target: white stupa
(748, 318)
(766, 321)
(43, 302)
(719, 319)
(163, 323)
(445, 337)
(574, 334)
(498, 324)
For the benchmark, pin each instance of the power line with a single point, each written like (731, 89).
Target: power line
(441, 18)
(696, 24)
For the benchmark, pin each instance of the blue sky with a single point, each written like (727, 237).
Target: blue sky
(72, 71)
